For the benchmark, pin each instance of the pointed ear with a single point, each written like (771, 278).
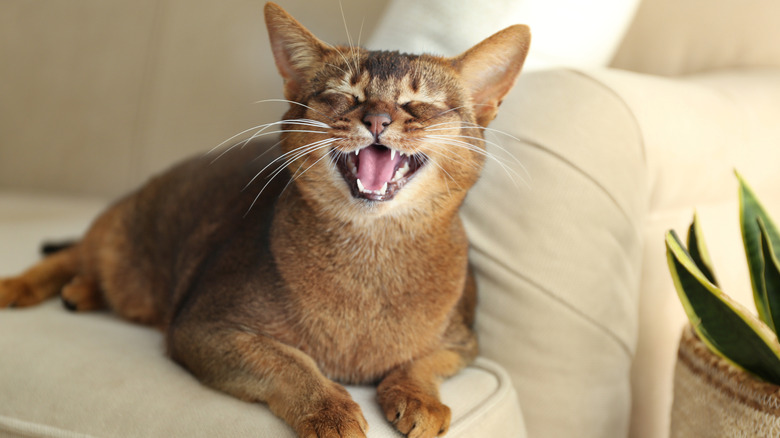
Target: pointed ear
(296, 51)
(489, 69)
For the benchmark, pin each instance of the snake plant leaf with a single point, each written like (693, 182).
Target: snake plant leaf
(750, 210)
(698, 250)
(725, 326)
(771, 274)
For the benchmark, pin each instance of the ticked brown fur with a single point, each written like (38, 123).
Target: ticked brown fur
(271, 297)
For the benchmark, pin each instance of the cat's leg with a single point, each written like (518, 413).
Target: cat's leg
(43, 280)
(256, 368)
(409, 394)
(82, 294)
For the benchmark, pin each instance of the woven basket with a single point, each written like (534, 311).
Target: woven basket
(713, 398)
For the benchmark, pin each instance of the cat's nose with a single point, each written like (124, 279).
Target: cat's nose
(376, 123)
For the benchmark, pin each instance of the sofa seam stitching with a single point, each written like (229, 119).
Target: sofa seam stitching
(593, 321)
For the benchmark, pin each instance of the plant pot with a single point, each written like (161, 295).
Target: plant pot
(713, 398)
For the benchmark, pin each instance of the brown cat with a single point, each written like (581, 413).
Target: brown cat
(351, 262)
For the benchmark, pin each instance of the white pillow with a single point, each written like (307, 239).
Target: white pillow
(569, 33)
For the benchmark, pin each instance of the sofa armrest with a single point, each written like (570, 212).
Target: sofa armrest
(576, 299)
(697, 130)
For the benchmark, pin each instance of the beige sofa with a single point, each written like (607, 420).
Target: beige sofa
(578, 319)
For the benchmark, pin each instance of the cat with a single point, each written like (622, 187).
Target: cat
(335, 255)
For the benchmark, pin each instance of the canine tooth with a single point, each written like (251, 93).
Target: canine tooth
(360, 186)
(392, 154)
(383, 190)
(397, 176)
(357, 152)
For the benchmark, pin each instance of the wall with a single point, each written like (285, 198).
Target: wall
(97, 94)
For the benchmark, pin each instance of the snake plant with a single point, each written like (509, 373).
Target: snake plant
(726, 327)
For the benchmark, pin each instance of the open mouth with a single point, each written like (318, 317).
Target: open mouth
(377, 172)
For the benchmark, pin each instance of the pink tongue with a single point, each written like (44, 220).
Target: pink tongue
(375, 167)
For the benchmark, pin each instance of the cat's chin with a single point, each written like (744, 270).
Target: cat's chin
(376, 172)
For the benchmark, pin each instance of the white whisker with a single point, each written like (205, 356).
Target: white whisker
(487, 154)
(449, 154)
(289, 158)
(449, 193)
(349, 66)
(485, 130)
(360, 32)
(349, 39)
(258, 134)
(297, 175)
(231, 138)
(261, 128)
(356, 52)
(338, 68)
(469, 125)
(459, 124)
(294, 103)
(300, 152)
(267, 151)
(445, 112)
(470, 147)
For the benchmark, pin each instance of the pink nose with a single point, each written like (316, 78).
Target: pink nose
(376, 123)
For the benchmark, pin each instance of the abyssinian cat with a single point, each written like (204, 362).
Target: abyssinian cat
(350, 265)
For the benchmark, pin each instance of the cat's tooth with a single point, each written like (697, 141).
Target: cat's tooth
(357, 152)
(383, 190)
(401, 172)
(392, 154)
(404, 169)
(360, 186)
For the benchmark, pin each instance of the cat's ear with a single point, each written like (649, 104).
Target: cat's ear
(489, 69)
(297, 51)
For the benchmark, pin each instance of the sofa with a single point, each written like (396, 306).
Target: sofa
(637, 115)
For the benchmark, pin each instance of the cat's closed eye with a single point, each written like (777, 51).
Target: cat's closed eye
(340, 103)
(423, 110)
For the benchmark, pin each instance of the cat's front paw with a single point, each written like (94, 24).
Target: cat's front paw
(15, 292)
(337, 416)
(413, 412)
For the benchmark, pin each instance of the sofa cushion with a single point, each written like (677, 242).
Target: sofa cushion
(93, 375)
(673, 37)
(565, 33)
(558, 252)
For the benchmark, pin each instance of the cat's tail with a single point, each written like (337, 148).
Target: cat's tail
(43, 280)
(50, 247)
